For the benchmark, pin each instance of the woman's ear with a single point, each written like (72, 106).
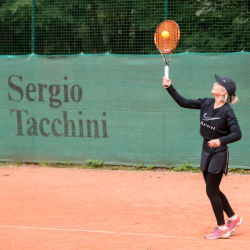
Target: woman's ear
(223, 91)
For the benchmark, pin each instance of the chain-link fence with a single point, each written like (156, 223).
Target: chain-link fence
(63, 27)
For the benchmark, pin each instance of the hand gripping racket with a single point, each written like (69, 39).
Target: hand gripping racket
(167, 36)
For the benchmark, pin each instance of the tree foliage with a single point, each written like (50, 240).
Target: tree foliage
(121, 26)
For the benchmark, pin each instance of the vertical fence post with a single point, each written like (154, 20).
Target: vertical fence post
(166, 10)
(33, 27)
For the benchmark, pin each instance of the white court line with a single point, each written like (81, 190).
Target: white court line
(93, 231)
(109, 232)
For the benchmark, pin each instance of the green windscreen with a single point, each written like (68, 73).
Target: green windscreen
(82, 79)
(113, 108)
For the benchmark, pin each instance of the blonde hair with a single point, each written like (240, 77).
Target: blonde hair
(230, 99)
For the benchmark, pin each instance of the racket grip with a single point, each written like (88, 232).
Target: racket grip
(166, 72)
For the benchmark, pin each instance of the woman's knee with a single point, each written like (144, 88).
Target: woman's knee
(212, 191)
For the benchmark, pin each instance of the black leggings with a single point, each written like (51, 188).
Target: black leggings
(218, 199)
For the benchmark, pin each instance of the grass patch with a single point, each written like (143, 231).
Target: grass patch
(187, 167)
(95, 164)
(99, 164)
(239, 170)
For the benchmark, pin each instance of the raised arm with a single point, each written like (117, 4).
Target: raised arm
(180, 100)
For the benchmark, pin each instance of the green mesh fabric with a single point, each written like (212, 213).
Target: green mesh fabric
(113, 108)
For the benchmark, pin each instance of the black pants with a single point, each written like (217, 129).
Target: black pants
(218, 199)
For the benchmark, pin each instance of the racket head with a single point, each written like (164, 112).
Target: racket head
(167, 45)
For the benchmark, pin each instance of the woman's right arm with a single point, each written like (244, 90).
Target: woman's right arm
(180, 100)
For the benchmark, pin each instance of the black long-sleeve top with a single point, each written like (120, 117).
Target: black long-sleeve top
(220, 123)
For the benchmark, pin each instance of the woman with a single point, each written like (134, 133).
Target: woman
(218, 127)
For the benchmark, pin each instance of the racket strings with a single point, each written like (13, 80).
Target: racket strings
(167, 45)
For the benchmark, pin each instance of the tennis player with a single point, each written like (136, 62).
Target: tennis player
(218, 127)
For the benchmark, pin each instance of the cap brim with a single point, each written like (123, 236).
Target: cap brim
(218, 79)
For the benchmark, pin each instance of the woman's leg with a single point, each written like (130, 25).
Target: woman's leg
(212, 187)
(214, 194)
(226, 206)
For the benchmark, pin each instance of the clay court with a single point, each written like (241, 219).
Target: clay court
(75, 209)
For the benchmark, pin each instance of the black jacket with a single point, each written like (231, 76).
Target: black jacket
(220, 123)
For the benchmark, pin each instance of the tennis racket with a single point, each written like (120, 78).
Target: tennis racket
(166, 38)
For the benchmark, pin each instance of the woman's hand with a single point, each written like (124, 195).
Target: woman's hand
(214, 143)
(166, 83)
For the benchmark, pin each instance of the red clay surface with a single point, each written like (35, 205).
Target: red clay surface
(75, 209)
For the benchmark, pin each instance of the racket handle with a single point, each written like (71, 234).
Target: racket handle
(166, 72)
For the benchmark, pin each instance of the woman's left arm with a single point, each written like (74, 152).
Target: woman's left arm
(234, 129)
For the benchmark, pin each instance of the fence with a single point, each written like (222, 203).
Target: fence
(113, 108)
(120, 26)
(68, 94)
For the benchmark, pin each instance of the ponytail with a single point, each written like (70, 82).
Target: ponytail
(230, 99)
(234, 99)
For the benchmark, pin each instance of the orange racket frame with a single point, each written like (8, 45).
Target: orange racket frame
(169, 44)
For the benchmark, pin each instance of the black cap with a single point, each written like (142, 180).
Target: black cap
(228, 83)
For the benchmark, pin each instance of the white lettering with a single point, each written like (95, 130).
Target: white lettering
(207, 126)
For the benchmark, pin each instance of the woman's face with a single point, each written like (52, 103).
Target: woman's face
(217, 89)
